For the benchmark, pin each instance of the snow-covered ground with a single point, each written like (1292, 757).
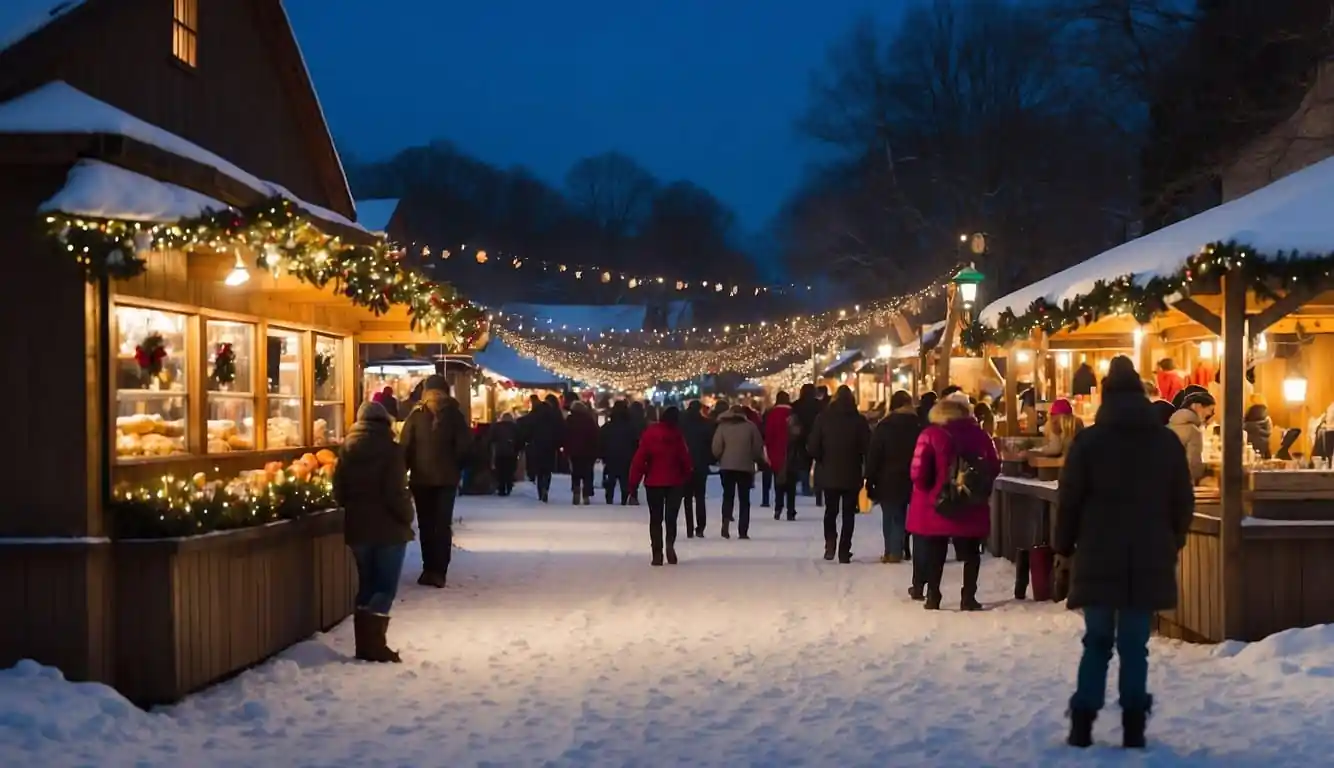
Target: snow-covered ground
(557, 644)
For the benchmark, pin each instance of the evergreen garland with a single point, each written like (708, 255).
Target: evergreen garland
(224, 364)
(1264, 276)
(176, 507)
(323, 368)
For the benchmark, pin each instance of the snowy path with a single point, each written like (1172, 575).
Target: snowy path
(557, 644)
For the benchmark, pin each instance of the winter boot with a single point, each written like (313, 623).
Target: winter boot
(969, 603)
(727, 534)
(916, 593)
(891, 558)
(845, 559)
(778, 513)
(671, 555)
(657, 558)
(791, 515)
(932, 601)
(359, 626)
(830, 545)
(377, 631)
(1081, 728)
(700, 531)
(1132, 723)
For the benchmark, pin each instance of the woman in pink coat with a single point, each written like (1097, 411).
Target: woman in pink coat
(953, 432)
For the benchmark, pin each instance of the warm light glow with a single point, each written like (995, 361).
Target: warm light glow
(884, 351)
(1063, 359)
(1294, 389)
(963, 238)
(1023, 356)
(1104, 366)
(1262, 343)
(1206, 350)
(239, 274)
(969, 292)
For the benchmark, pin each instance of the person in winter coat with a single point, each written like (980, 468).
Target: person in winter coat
(739, 448)
(505, 445)
(662, 463)
(1259, 429)
(525, 424)
(1188, 425)
(1170, 381)
(436, 441)
(1062, 426)
(617, 441)
(371, 486)
(805, 409)
(1179, 400)
(889, 471)
(1083, 381)
(924, 406)
(542, 440)
(953, 436)
(777, 446)
(580, 438)
(698, 430)
(1125, 505)
(1161, 408)
(838, 443)
(386, 399)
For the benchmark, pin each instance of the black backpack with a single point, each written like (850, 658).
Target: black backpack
(967, 483)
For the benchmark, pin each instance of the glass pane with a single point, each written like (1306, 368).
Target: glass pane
(284, 383)
(149, 424)
(230, 352)
(328, 369)
(328, 423)
(150, 383)
(231, 423)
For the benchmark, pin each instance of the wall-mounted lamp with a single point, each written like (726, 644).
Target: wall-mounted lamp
(1294, 389)
(1063, 359)
(239, 274)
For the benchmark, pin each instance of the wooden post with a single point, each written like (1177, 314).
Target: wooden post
(1040, 382)
(1144, 361)
(1232, 482)
(1011, 394)
(946, 345)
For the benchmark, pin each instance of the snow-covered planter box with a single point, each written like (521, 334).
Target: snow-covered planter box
(192, 611)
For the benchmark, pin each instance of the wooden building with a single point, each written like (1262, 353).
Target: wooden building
(209, 362)
(1241, 298)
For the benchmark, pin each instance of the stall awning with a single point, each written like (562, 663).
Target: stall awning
(519, 370)
(842, 363)
(1292, 214)
(914, 348)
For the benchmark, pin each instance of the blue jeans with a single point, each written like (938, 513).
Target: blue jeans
(378, 570)
(894, 516)
(1128, 632)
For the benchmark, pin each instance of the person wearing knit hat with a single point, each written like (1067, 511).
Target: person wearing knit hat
(371, 487)
(1061, 428)
(1126, 504)
(436, 441)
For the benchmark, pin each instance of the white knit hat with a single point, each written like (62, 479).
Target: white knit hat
(960, 397)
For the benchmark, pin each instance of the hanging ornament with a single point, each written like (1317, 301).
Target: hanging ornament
(143, 241)
(633, 282)
(481, 257)
(606, 277)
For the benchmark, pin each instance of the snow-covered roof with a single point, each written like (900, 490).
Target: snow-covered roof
(507, 362)
(596, 317)
(58, 107)
(375, 214)
(914, 347)
(1294, 213)
(101, 190)
(21, 18)
(846, 357)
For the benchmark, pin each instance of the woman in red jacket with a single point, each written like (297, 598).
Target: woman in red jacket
(663, 463)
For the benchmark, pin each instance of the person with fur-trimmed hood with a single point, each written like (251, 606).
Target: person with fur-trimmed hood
(739, 448)
(436, 441)
(953, 439)
(838, 444)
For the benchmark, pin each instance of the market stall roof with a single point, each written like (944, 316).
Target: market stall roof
(914, 348)
(375, 214)
(598, 317)
(522, 371)
(1295, 213)
(58, 107)
(104, 191)
(20, 19)
(841, 363)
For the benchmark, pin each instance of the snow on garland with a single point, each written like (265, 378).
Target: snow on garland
(1125, 296)
(371, 276)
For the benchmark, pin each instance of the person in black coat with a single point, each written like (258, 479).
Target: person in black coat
(838, 443)
(436, 442)
(924, 406)
(617, 441)
(698, 431)
(889, 471)
(1083, 381)
(1124, 507)
(805, 410)
(371, 486)
(541, 437)
(504, 443)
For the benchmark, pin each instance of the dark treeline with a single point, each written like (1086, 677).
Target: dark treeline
(1058, 128)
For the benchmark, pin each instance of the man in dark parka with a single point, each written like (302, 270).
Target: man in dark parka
(838, 444)
(1125, 504)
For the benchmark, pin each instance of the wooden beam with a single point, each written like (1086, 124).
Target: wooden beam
(1232, 482)
(953, 314)
(1192, 309)
(1082, 343)
(1287, 305)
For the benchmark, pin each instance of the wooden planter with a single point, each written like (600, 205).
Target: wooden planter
(193, 611)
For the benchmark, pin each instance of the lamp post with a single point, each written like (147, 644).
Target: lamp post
(966, 281)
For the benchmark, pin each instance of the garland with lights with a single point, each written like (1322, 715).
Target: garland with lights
(284, 239)
(1143, 301)
(175, 507)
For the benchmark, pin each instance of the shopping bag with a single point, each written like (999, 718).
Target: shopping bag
(863, 502)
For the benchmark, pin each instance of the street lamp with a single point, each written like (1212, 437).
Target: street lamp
(967, 280)
(884, 351)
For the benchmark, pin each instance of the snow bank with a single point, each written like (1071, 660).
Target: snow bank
(101, 190)
(1303, 651)
(40, 710)
(1294, 213)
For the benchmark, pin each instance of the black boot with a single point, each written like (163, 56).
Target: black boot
(916, 593)
(933, 599)
(726, 534)
(1132, 723)
(830, 545)
(657, 559)
(377, 646)
(778, 513)
(972, 567)
(791, 515)
(359, 626)
(1021, 575)
(1081, 728)
(671, 556)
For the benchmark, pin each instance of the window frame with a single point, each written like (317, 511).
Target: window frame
(185, 33)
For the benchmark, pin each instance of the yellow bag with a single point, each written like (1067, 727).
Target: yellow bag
(863, 502)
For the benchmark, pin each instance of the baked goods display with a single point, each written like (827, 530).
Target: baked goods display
(149, 435)
(283, 432)
(223, 437)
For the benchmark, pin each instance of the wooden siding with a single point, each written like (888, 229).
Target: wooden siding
(248, 100)
(195, 611)
(1288, 574)
(1198, 617)
(1022, 516)
(57, 607)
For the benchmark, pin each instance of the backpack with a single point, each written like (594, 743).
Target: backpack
(967, 483)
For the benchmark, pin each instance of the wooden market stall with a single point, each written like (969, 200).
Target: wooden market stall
(1250, 318)
(188, 285)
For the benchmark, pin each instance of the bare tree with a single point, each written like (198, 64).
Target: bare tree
(613, 190)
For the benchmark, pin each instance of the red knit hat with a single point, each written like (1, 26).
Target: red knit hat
(1062, 408)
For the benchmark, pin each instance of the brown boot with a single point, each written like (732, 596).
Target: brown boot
(359, 625)
(377, 630)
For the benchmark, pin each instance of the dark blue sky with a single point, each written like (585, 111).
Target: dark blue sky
(700, 89)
